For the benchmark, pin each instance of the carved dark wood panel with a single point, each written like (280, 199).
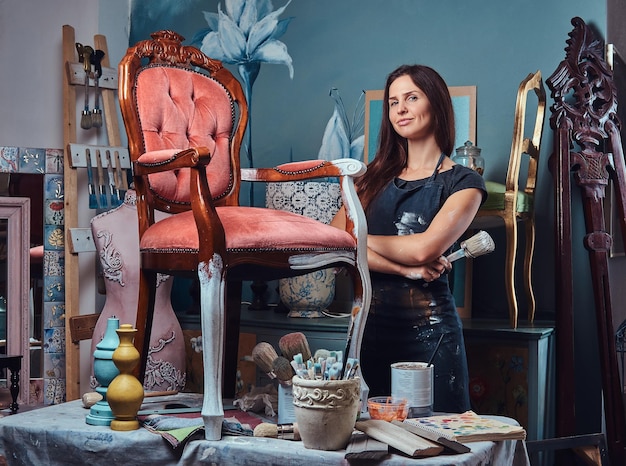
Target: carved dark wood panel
(587, 131)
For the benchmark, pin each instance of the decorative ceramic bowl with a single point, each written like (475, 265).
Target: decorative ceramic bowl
(308, 295)
(387, 408)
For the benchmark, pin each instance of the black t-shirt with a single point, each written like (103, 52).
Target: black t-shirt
(384, 219)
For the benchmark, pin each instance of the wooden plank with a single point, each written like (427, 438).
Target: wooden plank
(72, 296)
(108, 97)
(82, 327)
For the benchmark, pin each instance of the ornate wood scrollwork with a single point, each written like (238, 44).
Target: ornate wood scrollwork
(587, 143)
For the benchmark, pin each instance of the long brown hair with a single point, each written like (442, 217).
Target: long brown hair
(392, 153)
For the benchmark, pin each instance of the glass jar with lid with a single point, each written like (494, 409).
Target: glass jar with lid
(469, 156)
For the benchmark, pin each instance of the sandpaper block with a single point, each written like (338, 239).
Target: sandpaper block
(363, 447)
(399, 438)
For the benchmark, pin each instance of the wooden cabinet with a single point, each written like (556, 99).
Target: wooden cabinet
(512, 373)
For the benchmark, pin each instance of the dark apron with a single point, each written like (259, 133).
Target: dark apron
(408, 316)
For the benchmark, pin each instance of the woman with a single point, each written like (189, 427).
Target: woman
(418, 203)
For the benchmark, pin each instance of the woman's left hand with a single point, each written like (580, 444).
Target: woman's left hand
(429, 272)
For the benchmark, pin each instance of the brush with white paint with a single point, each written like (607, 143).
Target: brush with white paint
(479, 244)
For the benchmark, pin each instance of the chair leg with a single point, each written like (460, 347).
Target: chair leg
(528, 264)
(212, 313)
(231, 348)
(143, 321)
(509, 267)
(360, 309)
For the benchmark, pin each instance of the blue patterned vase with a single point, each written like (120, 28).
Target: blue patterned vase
(310, 294)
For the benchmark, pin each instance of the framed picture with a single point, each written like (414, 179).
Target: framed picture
(463, 102)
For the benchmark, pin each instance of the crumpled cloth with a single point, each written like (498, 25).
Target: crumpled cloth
(259, 399)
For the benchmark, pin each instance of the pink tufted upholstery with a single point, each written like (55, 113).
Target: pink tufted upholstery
(252, 228)
(181, 108)
(185, 129)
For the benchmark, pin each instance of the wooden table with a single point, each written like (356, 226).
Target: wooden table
(58, 435)
(13, 364)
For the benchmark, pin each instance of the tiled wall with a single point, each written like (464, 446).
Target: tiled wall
(49, 163)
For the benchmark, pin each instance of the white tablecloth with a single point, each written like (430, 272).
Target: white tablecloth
(58, 435)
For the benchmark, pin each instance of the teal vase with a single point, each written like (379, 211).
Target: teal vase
(105, 371)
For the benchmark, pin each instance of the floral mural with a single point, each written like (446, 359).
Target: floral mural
(246, 34)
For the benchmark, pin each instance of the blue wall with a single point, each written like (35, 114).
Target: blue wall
(353, 44)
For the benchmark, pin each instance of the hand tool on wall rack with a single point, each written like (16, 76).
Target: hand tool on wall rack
(84, 56)
(101, 182)
(96, 114)
(121, 181)
(93, 201)
(115, 195)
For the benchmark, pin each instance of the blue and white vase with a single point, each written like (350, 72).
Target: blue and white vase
(310, 294)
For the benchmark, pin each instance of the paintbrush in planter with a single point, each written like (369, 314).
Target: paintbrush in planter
(479, 244)
(294, 343)
(264, 354)
(281, 367)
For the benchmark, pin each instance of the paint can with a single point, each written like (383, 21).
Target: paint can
(414, 381)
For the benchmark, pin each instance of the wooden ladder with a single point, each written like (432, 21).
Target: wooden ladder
(79, 327)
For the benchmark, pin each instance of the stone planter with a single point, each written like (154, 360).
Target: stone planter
(326, 411)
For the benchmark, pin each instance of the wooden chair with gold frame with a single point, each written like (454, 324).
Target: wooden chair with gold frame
(507, 204)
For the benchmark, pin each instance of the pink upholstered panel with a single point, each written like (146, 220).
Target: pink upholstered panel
(250, 228)
(180, 109)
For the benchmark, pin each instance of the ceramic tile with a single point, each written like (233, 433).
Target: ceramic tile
(54, 263)
(54, 160)
(53, 186)
(54, 391)
(8, 159)
(53, 314)
(53, 340)
(53, 237)
(54, 289)
(54, 212)
(32, 160)
(54, 364)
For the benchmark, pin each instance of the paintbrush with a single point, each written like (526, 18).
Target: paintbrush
(264, 354)
(281, 367)
(479, 244)
(280, 431)
(294, 343)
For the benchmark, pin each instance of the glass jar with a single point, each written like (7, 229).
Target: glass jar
(469, 156)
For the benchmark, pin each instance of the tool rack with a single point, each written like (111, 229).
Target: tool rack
(113, 158)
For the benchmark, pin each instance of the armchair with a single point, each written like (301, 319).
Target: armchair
(185, 116)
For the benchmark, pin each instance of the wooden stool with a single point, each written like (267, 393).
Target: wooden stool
(14, 364)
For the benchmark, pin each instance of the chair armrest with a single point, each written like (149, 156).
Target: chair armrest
(305, 170)
(171, 159)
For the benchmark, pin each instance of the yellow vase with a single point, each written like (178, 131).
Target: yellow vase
(125, 393)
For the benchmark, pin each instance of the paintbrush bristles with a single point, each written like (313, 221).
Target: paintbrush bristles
(282, 369)
(264, 354)
(294, 343)
(280, 431)
(479, 244)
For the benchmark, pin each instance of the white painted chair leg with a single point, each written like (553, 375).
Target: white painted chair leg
(359, 327)
(212, 303)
